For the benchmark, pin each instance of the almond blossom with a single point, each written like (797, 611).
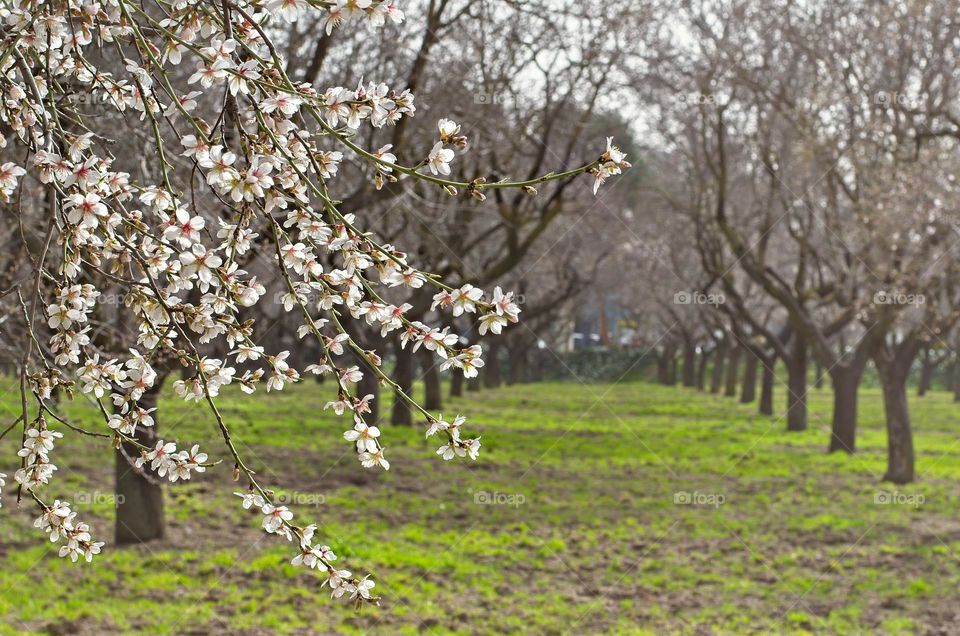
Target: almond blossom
(439, 159)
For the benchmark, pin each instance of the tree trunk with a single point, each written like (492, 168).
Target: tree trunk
(843, 433)
(370, 385)
(433, 398)
(797, 386)
(517, 360)
(749, 391)
(702, 370)
(456, 383)
(900, 456)
(719, 362)
(403, 375)
(672, 367)
(139, 498)
(926, 374)
(818, 376)
(491, 368)
(689, 365)
(733, 369)
(766, 385)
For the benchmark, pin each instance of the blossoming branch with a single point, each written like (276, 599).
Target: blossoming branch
(244, 161)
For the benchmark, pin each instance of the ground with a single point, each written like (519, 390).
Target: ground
(628, 509)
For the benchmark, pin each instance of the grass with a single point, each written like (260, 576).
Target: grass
(585, 535)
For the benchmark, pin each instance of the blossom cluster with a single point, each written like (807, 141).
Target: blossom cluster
(277, 520)
(342, 11)
(166, 461)
(456, 447)
(59, 522)
(37, 469)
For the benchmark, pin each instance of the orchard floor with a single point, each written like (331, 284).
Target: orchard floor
(572, 521)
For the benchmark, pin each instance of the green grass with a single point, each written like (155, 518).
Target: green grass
(591, 540)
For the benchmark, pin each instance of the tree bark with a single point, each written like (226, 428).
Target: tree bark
(797, 385)
(456, 383)
(719, 363)
(400, 414)
(320, 51)
(748, 393)
(433, 391)
(766, 385)
(926, 374)
(517, 361)
(689, 364)
(369, 385)
(702, 370)
(139, 498)
(733, 369)
(491, 370)
(900, 458)
(818, 376)
(843, 433)
(893, 364)
(672, 367)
